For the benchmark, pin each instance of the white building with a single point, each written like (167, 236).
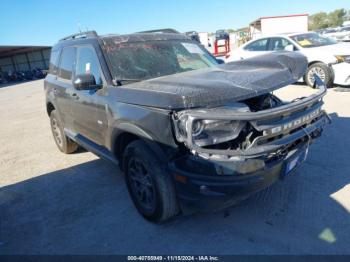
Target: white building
(278, 24)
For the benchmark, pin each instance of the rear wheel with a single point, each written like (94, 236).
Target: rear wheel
(322, 71)
(150, 187)
(64, 144)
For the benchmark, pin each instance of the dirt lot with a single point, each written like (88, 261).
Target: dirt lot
(51, 203)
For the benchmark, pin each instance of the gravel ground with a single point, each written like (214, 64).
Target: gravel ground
(51, 203)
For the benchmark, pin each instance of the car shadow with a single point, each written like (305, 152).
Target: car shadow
(85, 209)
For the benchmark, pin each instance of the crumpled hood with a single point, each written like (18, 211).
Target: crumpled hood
(217, 86)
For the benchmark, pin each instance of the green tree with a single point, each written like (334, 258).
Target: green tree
(323, 20)
(318, 21)
(337, 17)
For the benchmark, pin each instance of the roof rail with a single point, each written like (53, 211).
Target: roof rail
(165, 30)
(81, 35)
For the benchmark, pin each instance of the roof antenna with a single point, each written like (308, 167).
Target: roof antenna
(79, 26)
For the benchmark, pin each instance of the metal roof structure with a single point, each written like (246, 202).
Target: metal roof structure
(13, 50)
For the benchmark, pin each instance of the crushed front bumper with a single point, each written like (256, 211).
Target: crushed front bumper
(204, 189)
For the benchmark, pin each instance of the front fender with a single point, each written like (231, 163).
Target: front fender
(149, 139)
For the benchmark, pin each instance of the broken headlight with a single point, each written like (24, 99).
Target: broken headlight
(203, 132)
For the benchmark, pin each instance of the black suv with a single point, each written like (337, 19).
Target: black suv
(187, 132)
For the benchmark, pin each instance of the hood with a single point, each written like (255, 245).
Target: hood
(217, 86)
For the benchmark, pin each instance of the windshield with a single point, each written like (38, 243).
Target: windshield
(312, 40)
(150, 59)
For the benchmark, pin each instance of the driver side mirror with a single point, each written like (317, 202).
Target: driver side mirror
(85, 82)
(289, 48)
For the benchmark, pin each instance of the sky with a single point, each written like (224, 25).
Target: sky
(43, 22)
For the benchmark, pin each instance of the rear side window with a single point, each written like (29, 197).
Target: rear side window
(67, 63)
(259, 45)
(54, 62)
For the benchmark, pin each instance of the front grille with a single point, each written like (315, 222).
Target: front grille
(277, 128)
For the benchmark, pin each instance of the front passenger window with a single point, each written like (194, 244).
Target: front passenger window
(88, 63)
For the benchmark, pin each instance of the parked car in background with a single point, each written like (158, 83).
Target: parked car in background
(327, 58)
(27, 75)
(13, 76)
(221, 34)
(19, 76)
(38, 73)
(343, 34)
(10, 76)
(193, 35)
(330, 32)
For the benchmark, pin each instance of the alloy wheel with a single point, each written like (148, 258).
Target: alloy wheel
(318, 71)
(141, 184)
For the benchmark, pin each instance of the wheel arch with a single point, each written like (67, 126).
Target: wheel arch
(314, 62)
(127, 133)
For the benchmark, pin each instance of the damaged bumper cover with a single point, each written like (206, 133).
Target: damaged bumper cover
(280, 135)
(278, 126)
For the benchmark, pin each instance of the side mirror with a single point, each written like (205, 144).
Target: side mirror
(220, 61)
(289, 48)
(85, 82)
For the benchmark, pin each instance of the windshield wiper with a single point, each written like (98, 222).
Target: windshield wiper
(122, 81)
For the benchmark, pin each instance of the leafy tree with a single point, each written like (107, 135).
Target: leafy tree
(318, 21)
(337, 17)
(323, 20)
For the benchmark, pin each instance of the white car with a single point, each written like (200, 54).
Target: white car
(331, 32)
(327, 58)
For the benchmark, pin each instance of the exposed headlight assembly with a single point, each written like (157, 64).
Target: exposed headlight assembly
(205, 132)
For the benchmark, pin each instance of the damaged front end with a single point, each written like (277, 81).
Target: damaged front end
(252, 135)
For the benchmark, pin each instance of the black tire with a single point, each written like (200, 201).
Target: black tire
(64, 144)
(323, 71)
(150, 187)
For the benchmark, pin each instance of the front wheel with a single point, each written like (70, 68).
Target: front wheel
(150, 186)
(322, 71)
